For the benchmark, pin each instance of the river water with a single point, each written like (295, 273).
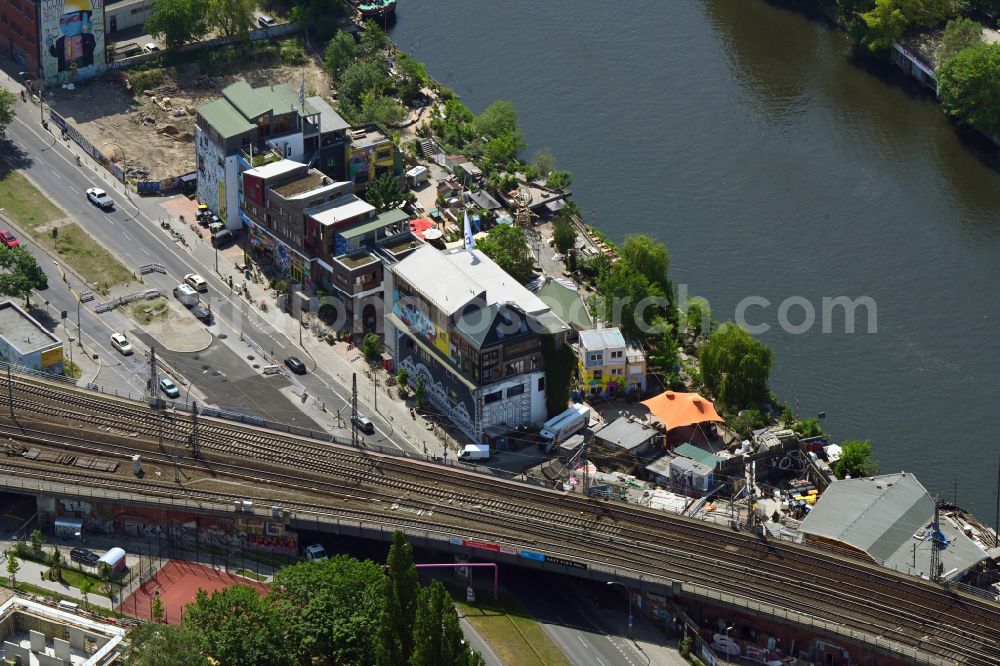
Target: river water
(743, 136)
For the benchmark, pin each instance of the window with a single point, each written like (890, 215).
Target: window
(515, 390)
(490, 398)
(595, 358)
(541, 384)
(616, 354)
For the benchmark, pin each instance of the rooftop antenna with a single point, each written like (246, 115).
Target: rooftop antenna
(938, 543)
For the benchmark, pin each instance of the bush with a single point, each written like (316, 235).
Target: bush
(372, 347)
(747, 421)
(684, 647)
(808, 428)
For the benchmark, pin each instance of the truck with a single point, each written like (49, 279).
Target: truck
(475, 452)
(186, 295)
(559, 428)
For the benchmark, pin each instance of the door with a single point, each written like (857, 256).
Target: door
(113, 24)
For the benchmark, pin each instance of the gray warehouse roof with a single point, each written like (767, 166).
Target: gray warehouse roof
(888, 517)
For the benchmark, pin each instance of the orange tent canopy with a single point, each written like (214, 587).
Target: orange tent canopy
(681, 409)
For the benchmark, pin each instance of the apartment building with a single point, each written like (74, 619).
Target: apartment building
(473, 334)
(609, 365)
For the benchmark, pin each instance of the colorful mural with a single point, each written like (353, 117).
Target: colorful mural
(73, 40)
(420, 323)
(287, 264)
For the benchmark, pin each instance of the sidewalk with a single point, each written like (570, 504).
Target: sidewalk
(33, 572)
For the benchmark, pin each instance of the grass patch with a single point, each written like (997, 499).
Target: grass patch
(246, 573)
(145, 312)
(513, 634)
(79, 249)
(23, 203)
(28, 588)
(71, 369)
(75, 578)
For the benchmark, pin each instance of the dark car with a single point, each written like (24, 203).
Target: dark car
(223, 238)
(84, 556)
(295, 365)
(363, 424)
(202, 313)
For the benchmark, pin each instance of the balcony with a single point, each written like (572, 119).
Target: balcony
(260, 158)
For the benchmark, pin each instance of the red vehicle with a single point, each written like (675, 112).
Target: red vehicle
(8, 239)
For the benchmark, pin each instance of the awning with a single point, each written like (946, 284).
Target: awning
(681, 409)
(419, 226)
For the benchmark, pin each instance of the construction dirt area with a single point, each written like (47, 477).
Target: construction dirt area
(152, 132)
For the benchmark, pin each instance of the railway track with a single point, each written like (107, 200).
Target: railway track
(914, 613)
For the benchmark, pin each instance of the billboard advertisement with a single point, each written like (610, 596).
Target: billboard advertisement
(72, 34)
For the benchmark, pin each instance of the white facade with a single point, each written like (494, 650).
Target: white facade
(525, 408)
(291, 146)
(218, 180)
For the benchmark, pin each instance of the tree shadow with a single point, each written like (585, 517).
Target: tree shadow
(13, 157)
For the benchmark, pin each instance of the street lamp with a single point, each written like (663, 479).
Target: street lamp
(628, 593)
(729, 631)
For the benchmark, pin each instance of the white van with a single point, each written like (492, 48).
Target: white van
(315, 553)
(186, 294)
(121, 343)
(475, 452)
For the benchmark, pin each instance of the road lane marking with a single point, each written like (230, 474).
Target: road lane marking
(127, 236)
(73, 188)
(56, 174)
(111, 222)
(145, 250)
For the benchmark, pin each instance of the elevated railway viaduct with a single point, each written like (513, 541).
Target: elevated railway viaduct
(203, 465)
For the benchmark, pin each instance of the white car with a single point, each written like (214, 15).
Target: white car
(196, 281)
(150, 48)
(121, 343)
(100, 198)
(167, 386)
(315, 553)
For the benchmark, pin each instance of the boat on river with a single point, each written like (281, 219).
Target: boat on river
(375, 9)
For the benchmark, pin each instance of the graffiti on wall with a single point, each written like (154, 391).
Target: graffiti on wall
(420, 322)
(72, 33)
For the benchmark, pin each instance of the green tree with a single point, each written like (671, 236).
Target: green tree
(959, 34)
(544, 161)
(156, 609)
(856, 460)
(359, 77)
(736, 367)
(178, 22)
(563, 234)
(386, 192)
(497, 119)
(37, 541)
(373, 40)
(402, 377)
(501, 149)
(340, 52)
(808, 428)
(164, 645)
(231, 18)
(437, 636)
(649, 257)
(507, 245)
(559, 180)
(969, 83)
(380, 109)
(372, 347)
(237, 626)
(87, 586)
(333, 609)
(746, 421)
(13, 566)
(20, 274)
(400, 600)
(412, 77)
(628, 300)
(560, 362)
(418, 391)
(886, 22)
(698, 317)
(8, 102)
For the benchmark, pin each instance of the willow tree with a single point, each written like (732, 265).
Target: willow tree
(735, 366)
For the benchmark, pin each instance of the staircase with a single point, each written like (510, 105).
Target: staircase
(427, 147)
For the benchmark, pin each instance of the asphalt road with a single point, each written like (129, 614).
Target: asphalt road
(132, 233)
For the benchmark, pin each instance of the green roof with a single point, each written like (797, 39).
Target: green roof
(255, 102)
(701, 455)
(566, 303)
(224, 119)
(385, 219)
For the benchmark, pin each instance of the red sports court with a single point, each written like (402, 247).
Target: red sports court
(178, 582)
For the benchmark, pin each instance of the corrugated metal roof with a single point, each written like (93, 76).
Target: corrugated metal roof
(340, 209)
(565, 303)
(388, 218)
(497, 283)
(888, 516)
(329, 120)
(701, 455)
(224, 118)
(274, 169)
